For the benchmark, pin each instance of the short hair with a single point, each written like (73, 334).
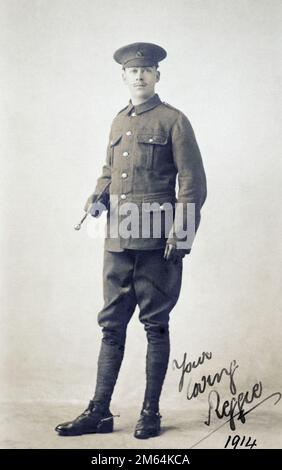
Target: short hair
(155, 65)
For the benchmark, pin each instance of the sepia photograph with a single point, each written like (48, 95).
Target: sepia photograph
(141, 253)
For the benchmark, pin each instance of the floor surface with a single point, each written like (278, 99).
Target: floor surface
(31, 425)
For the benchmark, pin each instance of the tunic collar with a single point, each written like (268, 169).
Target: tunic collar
(141, 108)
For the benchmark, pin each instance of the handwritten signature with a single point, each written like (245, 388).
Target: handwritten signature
(232, 408)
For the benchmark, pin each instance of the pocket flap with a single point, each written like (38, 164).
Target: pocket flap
(115, 140)
(150, 138)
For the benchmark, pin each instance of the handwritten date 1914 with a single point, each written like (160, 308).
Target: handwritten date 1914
(238, 441)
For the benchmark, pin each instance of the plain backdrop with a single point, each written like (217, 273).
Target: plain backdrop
(60, 90)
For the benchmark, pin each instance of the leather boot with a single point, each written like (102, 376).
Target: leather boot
(109, 363)
(149, 423)
(95, 419)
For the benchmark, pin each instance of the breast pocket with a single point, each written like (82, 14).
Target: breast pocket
(149, 146)
(114, 146)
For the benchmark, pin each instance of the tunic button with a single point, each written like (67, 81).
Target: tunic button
(124, 175)
(133, 114)
(128, 133)
(123, 196)
(151, 140)
(125, 154)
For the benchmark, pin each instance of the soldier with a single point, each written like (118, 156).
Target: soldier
(150, 144)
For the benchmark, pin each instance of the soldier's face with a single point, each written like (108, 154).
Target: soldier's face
(141, 81)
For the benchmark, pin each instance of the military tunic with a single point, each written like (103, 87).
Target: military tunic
(149, 145)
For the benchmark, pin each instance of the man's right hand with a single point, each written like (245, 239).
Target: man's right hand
(94, 206)
(89, 202)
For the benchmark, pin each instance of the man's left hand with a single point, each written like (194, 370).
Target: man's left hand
(173, 254)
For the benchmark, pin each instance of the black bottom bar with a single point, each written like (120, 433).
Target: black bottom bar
(134, 458)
